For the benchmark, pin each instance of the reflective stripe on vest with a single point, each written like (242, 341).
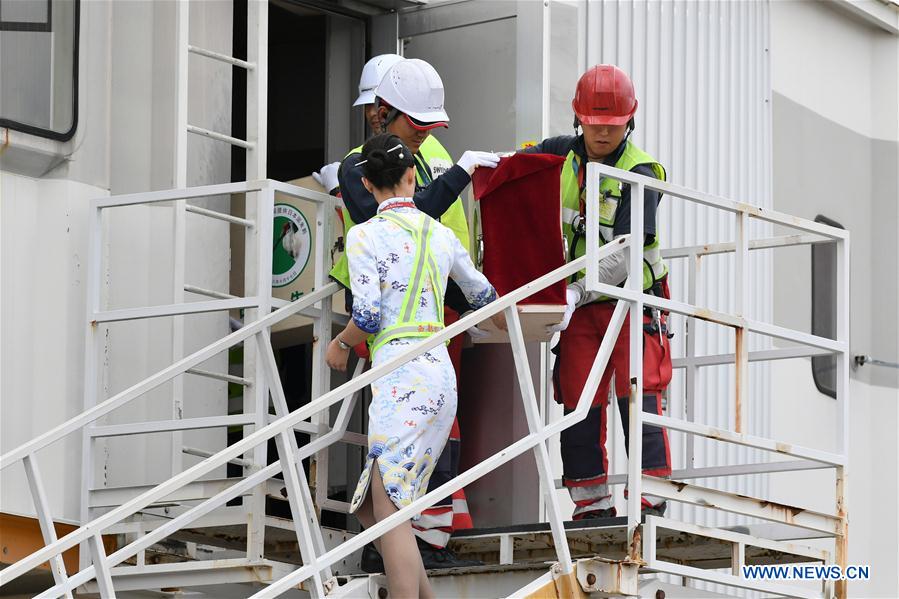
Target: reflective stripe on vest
(438, 160)
(425, 268)
(654, 267)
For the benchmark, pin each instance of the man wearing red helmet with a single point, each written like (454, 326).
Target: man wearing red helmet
(604, 105)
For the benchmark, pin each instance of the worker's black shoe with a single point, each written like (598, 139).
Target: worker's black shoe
(654, 510)
(605, 513)
(371, 561)
(440, 559)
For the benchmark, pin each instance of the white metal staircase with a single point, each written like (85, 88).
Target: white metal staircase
(244, 551)
(197, 504)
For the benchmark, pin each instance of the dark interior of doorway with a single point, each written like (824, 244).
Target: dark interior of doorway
(296, 91)
(295, 148)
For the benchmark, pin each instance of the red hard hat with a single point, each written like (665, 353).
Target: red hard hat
(604, 96)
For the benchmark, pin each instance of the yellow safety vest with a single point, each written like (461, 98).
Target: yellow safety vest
(425, 267)
(573, 226)
(438, 161)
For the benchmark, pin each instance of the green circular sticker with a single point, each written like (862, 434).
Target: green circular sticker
(292, 245)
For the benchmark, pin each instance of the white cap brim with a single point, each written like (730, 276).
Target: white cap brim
(366, 97)
(435, 116)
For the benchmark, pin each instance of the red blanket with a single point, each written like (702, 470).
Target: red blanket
(521, 223)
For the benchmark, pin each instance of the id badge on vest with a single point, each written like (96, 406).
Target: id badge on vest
(608, 205)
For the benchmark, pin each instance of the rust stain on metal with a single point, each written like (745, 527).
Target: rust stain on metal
(680, 486)
(567, 586)
(842, 540)
(635, 548)
(738, 407)
(547, 591)
(707, 315)
(789, 512)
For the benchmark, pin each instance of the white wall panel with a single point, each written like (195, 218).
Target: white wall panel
(124, 144)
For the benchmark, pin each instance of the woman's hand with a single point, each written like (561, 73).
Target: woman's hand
(499, 319)
(336, 357)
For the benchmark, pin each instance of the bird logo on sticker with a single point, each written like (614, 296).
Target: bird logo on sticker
(292, 244)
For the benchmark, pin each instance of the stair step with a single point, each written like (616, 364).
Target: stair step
(607, 537)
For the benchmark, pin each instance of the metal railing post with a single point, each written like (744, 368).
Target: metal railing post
(258, 280)
(44, 517)
(321, 336)
(741, 338)
(101, 568)
(309, 534)
(179, 221)
(635, 399)
(535, 426)
(261, 238)
(842, 388)
(694, 270)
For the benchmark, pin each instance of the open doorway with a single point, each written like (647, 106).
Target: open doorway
(315, 57)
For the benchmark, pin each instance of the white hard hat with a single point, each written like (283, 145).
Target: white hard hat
(372, 73)
(413, 87)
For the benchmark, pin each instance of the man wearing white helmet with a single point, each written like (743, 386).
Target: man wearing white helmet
(408, 102)
(372, 73)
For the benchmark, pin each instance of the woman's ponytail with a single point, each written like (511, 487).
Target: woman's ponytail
(385, 158)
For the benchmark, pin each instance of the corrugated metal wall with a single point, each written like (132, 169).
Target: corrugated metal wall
(701, 72)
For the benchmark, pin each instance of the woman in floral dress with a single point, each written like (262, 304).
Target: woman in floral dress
(399, 262)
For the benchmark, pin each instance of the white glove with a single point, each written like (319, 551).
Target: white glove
(572, 296)
(472, 159)
(474, 332)
(327, 178)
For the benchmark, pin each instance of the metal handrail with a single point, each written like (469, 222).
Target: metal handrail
(161, 377)
(836, 523)
(632, 299)
(285, 423)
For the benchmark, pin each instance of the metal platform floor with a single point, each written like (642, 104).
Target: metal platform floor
(528, 544)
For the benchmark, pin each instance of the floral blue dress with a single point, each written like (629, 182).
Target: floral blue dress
(413, 407)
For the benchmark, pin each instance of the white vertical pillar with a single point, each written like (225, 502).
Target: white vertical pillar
(257, 283)
(741, 340)
(691, 371)
(258, 259)
(321, 336)
(179, 221)
(635, 400)
(257, 88)
(842, 389)
(93, 337)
